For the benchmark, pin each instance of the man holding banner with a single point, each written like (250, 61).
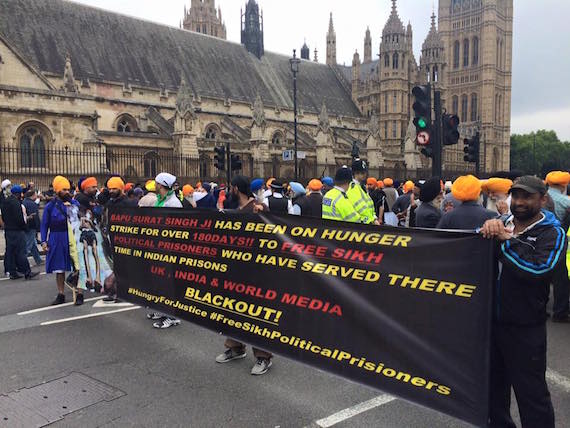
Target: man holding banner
(532, 246)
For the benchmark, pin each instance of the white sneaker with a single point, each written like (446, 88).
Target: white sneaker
(230, 355)
(261, 366)
(166, 322)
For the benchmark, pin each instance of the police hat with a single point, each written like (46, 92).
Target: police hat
(359, 165)
(343, 175)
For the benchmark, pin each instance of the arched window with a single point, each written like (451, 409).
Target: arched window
(386, 60)
(277, 138)
(33, 147)
(455, 104)
(475, 60)
(126, 123)
(464, 107)
(395, 61)
(151, 164)
(502, 56)
(395, 102)
(465, 53)
(212, 132)
(434, 72)
(474, 107)
(456, 54)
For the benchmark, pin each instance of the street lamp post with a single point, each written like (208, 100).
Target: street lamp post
(295, 69)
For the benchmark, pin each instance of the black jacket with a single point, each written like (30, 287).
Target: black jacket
(13, 215)
(526, 266)
(315, 205)
(402, 203)
(469, 215)
(32, 208)
(427, 216)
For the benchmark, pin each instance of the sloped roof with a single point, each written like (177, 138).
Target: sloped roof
(108, 46)
(366, 69)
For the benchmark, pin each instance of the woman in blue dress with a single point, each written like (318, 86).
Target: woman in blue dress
(55, 237)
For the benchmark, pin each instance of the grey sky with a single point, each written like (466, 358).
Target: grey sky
(541, 51)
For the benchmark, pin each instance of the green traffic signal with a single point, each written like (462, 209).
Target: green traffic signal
(422, 124)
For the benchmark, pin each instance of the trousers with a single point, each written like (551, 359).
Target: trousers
(518, 360)
(32, 246)
(258, 353)
(16, 258)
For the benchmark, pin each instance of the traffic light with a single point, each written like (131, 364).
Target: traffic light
(471, 149)
(220, 158)
(422, 108)
(450, 131)
(427, 152)
(235, 163)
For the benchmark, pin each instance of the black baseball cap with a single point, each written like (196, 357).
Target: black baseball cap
(529, 184)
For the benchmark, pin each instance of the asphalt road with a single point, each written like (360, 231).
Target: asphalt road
(169, 377)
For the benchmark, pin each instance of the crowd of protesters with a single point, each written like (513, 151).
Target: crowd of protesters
(528, 217)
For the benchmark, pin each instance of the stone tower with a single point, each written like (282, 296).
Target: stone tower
(305, 52)
(397, 72)
(331, 44)
(478, 35)
(252, 29)
(367, 47)
(202, 17)
(432, 61)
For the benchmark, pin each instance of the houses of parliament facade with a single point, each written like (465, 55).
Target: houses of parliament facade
(136, 93)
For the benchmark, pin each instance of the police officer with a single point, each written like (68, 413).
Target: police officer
(358, 195)
(336, 204)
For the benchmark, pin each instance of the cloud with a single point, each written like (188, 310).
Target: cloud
(556, 119)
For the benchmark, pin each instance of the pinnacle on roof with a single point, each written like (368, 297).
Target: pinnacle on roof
(331, 25)
(394, 23)
(433, 39)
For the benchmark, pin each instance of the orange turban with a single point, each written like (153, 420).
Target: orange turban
(150, 186)
(409, 186)
(129, 186)
(497, 185)
(88, 182)
(115, 183)
(388, 182)
(466, 188)
(315, 185)
(187, 190)
(559, 178)
(269, 182)
(60, 183)
(380, 184)
(371, 181)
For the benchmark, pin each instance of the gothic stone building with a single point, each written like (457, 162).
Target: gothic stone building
(467, 57)
(133, 97)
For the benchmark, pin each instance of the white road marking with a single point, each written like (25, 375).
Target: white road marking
(88, 316)
(63, 305)
(354, 410)
(559, 380)
(102, 304)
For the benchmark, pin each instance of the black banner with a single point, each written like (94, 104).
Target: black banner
(402, 310)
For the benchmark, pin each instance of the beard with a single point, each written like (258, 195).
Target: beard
(523, 214)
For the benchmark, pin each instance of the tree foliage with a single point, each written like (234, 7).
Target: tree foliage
(539, 153)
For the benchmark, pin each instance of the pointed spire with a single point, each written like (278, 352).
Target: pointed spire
(316, 58)
(184, 98)
(331, 25)
(258, 111)
(324, 122)
(394, 9)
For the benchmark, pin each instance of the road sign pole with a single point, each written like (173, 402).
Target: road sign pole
(438, 134)
(228, 165)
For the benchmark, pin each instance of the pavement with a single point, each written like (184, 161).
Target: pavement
(157, 378)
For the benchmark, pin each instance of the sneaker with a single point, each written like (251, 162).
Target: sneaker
(155, 316)
(15, 277)
(166, 322)
(261, 366)
(32, 275)
(78, 300)
(109, 299)
(230, 355)
(59, 300)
